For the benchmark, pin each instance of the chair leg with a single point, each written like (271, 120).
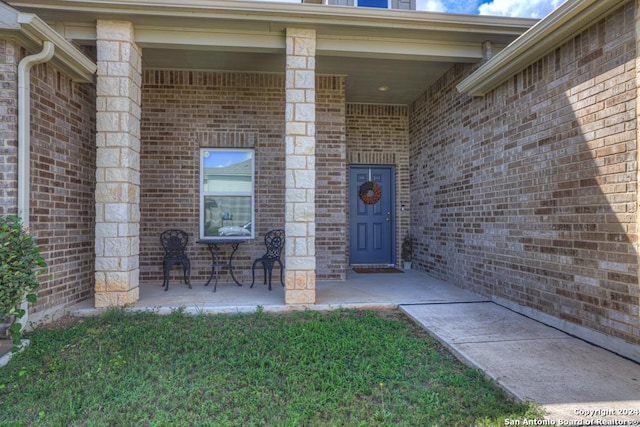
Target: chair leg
(187, 273)
(267, 269)
(270, 272)
(165, 271)
(253, 273)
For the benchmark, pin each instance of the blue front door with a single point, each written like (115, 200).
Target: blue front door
(371, 236)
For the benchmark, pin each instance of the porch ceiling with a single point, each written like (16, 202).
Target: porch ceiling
(405, 79)
(403, 51)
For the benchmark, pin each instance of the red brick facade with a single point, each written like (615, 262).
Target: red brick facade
(185, 111)
(10, 55)
(62, 176)
(379, 135)
(331, 181)
(530, 193)
(62, 185)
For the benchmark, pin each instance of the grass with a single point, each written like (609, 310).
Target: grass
(341, 368)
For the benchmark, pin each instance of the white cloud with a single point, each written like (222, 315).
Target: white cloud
(449, 6)
(431, 5)
(515, 8)
(520, 8)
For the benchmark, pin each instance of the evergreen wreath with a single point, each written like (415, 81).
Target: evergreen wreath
(372, 187)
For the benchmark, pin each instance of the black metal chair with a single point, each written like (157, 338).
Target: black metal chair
(174, 242)
(274, 241)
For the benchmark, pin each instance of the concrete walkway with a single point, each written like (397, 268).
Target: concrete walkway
(574, 381)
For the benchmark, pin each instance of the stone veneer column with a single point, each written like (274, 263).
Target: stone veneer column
(300, 138)
(117, 164)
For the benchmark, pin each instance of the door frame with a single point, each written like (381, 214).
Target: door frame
(392, 196)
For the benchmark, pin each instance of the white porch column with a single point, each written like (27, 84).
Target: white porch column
(118, 164)
(300, 135)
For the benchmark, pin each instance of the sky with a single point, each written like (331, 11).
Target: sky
(514, 8)
(224, 158)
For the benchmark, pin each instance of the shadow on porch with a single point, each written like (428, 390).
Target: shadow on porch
(358, 291)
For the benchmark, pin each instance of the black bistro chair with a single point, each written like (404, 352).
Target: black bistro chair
(274, 241)
(174, 243)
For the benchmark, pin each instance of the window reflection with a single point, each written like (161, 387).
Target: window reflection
(227, 178)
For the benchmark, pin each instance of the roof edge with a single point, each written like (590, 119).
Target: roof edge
(549, 33)
(32, 32)
(303, 14)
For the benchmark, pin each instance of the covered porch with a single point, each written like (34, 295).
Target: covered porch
(312, 94)
(376, 290)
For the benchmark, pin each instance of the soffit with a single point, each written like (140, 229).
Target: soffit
(404, 50)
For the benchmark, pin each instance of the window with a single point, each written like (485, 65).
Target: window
(226, 193)
(374, 3)
(385, 4)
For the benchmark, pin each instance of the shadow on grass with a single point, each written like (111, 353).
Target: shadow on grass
(345, 367)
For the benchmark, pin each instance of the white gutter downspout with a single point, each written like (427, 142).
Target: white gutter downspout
(24, 138)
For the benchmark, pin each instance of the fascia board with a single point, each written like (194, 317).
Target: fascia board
(67, 57)
(30, 31)
(147, 36)
(565, 22)
(326, 44)
(284, 13)
(8, 18)
(418, 50)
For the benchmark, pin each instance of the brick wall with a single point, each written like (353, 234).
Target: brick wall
(184, 111)
(379, 135)
(530, 192)
(62, 186)
(9, 57)
(331, 181)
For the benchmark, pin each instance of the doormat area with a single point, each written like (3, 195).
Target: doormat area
(364, 270)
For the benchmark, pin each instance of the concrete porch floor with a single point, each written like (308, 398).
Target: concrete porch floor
(359, 290)
(576, 382)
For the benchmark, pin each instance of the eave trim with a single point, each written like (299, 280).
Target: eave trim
(565, 22)
(30, 31)
(285, 13)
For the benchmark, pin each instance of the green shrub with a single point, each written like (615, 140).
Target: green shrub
(20, 264)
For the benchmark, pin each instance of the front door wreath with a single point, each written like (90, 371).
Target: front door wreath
(370, 192)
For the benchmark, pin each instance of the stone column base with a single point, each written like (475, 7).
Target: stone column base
(116, 299)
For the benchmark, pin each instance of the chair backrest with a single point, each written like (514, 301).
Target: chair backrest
(274, 241)
(174, 242)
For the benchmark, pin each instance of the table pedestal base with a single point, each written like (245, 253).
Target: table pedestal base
(216, 263)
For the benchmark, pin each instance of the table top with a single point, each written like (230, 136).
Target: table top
(219, 241)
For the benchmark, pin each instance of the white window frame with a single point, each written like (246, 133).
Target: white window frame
(391, 4)
(204, 194)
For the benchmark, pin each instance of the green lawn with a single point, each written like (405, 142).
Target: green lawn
(341, 368)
